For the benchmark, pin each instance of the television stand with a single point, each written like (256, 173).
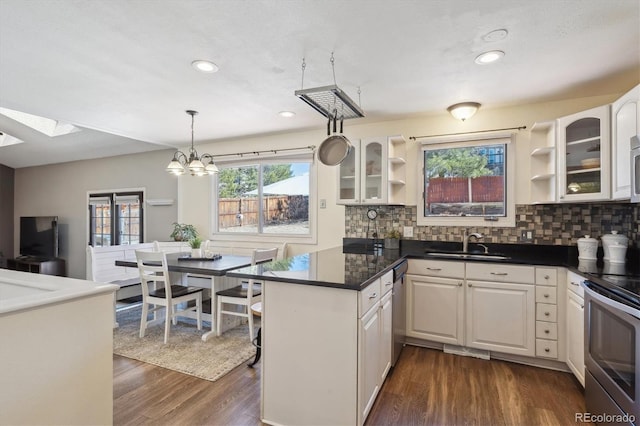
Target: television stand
(38, 265)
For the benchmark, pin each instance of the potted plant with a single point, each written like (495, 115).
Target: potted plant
(392, 239)
(183, 232)
(195, 243)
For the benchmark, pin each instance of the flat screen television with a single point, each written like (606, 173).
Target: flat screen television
(39, 236)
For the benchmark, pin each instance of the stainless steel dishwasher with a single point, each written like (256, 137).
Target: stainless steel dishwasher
(398, 302)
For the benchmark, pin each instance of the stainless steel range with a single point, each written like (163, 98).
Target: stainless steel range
(612, 348)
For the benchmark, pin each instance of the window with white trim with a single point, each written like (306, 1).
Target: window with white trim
(467, 182)
(265, 197)
(115, 218)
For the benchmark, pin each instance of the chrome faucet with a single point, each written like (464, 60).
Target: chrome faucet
(466, 237)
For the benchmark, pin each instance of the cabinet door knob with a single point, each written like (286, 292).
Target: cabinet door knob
(546, 277)
(546, 295)
(460, 284)
(581, 306)
(546, 349)
(469, 285)
(546, 314)
(546, 331)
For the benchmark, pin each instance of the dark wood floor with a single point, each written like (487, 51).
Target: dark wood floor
(427, 387)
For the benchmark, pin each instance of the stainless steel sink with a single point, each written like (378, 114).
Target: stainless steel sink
(487, 256)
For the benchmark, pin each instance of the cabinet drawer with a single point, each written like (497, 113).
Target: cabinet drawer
(369, 296)
(546, 312)
(546, 294)
(547, 276)
(546, 348)
(500, 273)
(573, 283)
(386, 283)
(436, 268)
(546, 330)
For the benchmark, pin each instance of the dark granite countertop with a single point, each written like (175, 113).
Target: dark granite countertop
(358, 262)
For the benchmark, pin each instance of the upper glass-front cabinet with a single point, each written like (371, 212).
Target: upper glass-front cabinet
(584, 156)
(374, 175)
(373, 172)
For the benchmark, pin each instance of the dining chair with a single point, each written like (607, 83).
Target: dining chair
(153, 270)
(245, 294)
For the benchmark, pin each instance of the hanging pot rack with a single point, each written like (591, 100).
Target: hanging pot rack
(327, 99)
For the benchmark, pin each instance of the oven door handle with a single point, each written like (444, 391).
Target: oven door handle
(610, 302)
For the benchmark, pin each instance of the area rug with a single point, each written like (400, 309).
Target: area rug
(185, 351)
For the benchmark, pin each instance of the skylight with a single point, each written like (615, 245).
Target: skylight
(6, 140)
(46, 126)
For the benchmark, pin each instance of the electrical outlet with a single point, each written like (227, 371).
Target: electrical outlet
(526, 236)
(407, 231)
(323, 203)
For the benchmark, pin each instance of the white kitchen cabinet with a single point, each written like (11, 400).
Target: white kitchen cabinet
(375, 341)
(625, 123)
(386, 336)
(369, 341)
(500, 317)
(436, 308)
(542, 182)
(435, 300)
(584, 156)
(575, 326)
(374, 172)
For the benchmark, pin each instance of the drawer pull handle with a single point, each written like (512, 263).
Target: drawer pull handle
(546, 314)
(546, 295)
(388, 284)
(460, 284)
(547, 349)
(546, 331)
(499, 273)
(469, 285)
(581, 306)
(373, 295)
(434, 269)
(546, 277)
(576, 284)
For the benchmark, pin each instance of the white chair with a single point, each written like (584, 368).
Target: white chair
(244, 295)
(153, 269)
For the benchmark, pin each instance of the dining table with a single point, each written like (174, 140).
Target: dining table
(213, 268)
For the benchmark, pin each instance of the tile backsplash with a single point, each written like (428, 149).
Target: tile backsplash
(560, 224)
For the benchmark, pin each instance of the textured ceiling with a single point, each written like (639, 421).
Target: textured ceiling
(122, 68)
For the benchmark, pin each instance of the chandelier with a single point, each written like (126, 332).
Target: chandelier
(197, 165)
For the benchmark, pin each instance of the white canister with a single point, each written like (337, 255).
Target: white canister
(610, 239)
(617, 253)
(587, 248)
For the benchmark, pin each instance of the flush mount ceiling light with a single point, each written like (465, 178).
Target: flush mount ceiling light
(328, 99)
(287, 114)
(489, 57)
(463, 110)
(205, 66)
(197, 165)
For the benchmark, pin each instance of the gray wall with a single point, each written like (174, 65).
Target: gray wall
(61, 190)
(6, 212)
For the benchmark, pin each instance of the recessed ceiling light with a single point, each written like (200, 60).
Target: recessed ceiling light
(488, 57)
(287, 114)
(205, 66)
(495, 35)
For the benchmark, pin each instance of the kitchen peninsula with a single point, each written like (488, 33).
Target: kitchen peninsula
(325, 313)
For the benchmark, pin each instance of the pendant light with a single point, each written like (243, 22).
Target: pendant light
(197, 165)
